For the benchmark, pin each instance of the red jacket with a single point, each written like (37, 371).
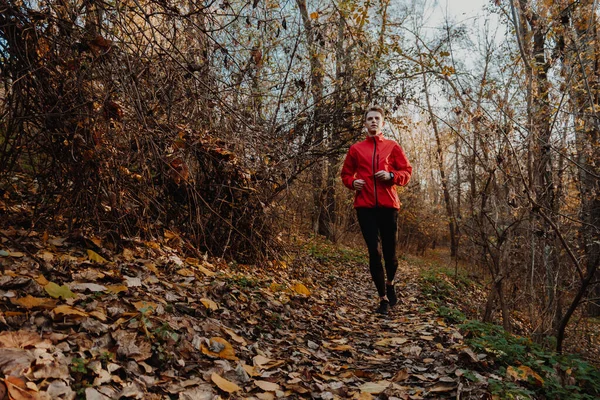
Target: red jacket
(366, 158)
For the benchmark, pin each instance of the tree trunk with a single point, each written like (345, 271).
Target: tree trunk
(442, 170)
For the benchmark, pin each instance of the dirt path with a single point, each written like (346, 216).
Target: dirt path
(346, 350)
(148, 324)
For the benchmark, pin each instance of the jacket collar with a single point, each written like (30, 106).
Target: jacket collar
(378, 137)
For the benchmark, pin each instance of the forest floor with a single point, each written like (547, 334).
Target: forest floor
(78, 321)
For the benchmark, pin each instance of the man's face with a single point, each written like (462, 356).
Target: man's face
(373, 122)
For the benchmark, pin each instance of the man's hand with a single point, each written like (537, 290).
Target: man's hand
(358, 184)
(383, 175)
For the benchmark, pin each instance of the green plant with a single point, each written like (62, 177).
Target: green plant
(243, 281)
(451, 315)
(562, 376)
(165, 332)
(78, 365)
(509, 390)
(434, 285)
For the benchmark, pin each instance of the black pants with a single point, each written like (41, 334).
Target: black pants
(375, 223)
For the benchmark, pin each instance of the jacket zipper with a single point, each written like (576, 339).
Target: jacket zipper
(375, 179)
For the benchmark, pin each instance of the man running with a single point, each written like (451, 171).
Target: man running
(373, 168)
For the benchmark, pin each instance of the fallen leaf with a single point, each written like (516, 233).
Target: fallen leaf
(301, 289)
(95, 257)
(209, 304)
(145, 307)
(205, 271)
(219, 348)
(92, 287)
(32, 302)
(235, 336)
(15, 361)
(267, 386)
(265, 396)
(58, 291)
(186, 272)
(116, 288)
(68, 310)
(395, 341)
(132, 281)
(374, 387)
(250, 370)
(42, 280)
(224, 384)
(342, 347)
(442, 387)
(523, 373)
(401, 375)
(259, 360)
(17, 389)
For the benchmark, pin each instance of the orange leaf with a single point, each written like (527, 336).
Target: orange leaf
(68, 310)
(32, 302)
(116, 288)
(523, 373)
(17, 389)
(224, 384)
(219, 348)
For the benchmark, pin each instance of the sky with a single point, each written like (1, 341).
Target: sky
(459, 9)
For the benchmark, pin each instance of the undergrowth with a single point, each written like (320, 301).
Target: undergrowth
(523, 369)
(560, 376)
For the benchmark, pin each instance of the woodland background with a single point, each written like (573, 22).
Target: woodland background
(226, 121)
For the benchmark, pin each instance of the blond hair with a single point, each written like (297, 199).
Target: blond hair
(378, 109)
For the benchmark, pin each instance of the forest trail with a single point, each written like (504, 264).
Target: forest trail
(150, 325)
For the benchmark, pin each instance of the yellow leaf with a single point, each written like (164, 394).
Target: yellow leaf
(276, 287)
(314, 15)
(128, 254)
(169, 234)
(31, 302)
(250, 370)
(523, 373)
(16, 254)
(267, 386)
(95, 257)
(42, 280)
(395, 341)
(68, 310)
(301, 289)
(99, 315)
(116, 288)
(208, 303)
(58, 291)
(145, 306)
(46, 255)
(186, 272)
(219, 348)
(205, 270)
(224, 384)
(235, 337)
(342, 347)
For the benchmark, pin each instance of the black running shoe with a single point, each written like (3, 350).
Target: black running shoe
(390, 292)
(384, 307)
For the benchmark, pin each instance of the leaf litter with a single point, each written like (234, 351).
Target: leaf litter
(152, 324)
